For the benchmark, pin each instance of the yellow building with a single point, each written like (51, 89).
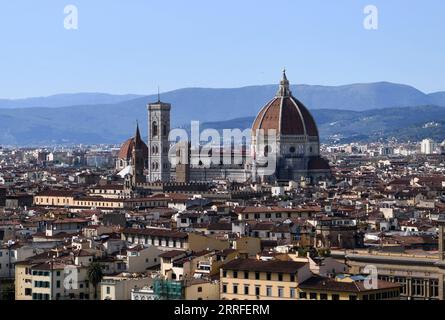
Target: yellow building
(75, 201)
(251, 279)
(51, 281)
(200, 289)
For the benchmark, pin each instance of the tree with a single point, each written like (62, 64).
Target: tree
(95, 276)
(7, 291)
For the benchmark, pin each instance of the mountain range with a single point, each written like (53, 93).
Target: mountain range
(358, 112)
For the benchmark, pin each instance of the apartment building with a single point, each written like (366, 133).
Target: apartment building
(254, 279)
(119, 287)
(421, 274)
(166, 239)
(346, 288)
(51, 281)
(276, 213)
(10, 254)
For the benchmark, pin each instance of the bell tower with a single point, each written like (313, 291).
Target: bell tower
(158, 144)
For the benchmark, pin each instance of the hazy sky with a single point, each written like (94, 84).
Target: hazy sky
(135, 45)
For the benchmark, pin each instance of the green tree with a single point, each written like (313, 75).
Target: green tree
(95, 276)
(7, 291)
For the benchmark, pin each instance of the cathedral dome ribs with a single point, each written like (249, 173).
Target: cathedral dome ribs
(285, 114)
(298, 144)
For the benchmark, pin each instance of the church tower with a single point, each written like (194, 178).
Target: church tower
(137, 159)
(158, 144)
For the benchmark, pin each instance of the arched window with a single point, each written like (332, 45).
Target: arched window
(154, 129)
(164, 130)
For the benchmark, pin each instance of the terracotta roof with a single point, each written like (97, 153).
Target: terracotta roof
(127, 149)
(328, 284)
(220, 226)
(58, 193)
(172, 254)
(286, 115)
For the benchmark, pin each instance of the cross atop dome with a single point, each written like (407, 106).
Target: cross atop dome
(284, 90)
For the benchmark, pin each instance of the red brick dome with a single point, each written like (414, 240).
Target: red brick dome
(285, 114)
(127, 147)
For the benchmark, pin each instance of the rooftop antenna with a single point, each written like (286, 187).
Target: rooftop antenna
(159, 95)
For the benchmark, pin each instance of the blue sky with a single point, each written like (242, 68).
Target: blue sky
(134, 46)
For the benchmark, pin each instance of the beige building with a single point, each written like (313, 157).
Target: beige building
(247, 246)
(253, 279)
(166, 239)
(347, 288)
(119, 287)
(421, 274)
(276, 213)
(75, 201)
(200, 289)
(140, 258)
(181, 265)
(250, 279)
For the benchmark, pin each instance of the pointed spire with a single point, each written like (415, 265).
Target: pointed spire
(137, 137)
(284, 75)
(284, 90)
(159, 96)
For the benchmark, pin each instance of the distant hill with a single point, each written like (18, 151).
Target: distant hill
(218, 104)
(105, 124)
(64, 100)
(350, 111)
(404, 123)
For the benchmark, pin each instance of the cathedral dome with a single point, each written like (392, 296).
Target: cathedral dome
(127, 147)
(285, 114)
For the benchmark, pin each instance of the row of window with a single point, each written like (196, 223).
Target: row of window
(40, 273)
(40, 296)
(112, 191)
(77, 202)
(155, 166)
(257, 290)
(41, 284)
(277, 215)
(257, 276)
(156, 242)
(419, 287)
(304, 295)
(382, 295)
